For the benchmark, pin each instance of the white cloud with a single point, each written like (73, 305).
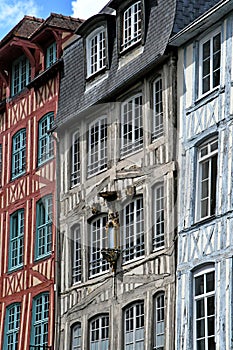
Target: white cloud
(13, 11)
(87, 8)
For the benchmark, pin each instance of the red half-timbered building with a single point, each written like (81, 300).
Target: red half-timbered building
(30, 69)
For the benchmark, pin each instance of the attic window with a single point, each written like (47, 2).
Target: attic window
(21, 74)
(96, 51)
(51, 55)
(132, 25)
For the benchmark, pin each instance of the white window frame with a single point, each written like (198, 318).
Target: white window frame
(96, 51)
(159, 321)
(132, 25)
(209, 160)
(99, 333)
(75, 160)
(133, 230)
(97, 146)
(98, 241)
(131, 125)
(198, 299)
(134, 333)
(212, 84)
(76, 343)
(77, 254)
(158, 216)
(157, 120)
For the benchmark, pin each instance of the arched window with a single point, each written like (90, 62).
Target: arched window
(19, 153)
(159, 319)
(133, 230)
(76, 337)
(12, 323)
(76, 254)
(98, 241)
(134, 326)
(207, 158)
(204, 309)
(99, 333)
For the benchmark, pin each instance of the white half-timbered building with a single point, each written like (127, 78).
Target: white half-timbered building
(117, 138)
(205, 128)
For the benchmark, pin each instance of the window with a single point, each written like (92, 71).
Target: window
(75, 160)
(44, 214)
(21, 74)
(99, 333)
(134, 327)
(132, 25)
(204, 310)
(210, 63)
(133, 227)
(16, 239)
(76, 337)
(19, 153)
(97, 152)
(131, 125)
(40, 317)
(51, 55)
(158, 225)
(157, 122)
(96, 51)
(98, 242)
(159, 308)
(12, 323)
(77, 257)
(45, 146)
(207, 179)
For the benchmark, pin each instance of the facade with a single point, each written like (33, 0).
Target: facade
(29, 85)
(205, 95)
(117, 145)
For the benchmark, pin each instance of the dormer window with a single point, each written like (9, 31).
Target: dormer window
(21, 74)
(96, 51)
(51, 55)
(132, 25)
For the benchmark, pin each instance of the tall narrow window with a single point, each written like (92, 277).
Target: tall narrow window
(132, 25)
(159, 317)
(99, 333)
(51, 55)
(97, 146)
(207, 178)
(204, 310)
(98, 241)
(131, 125)
(210, 62)
(19, 153)
(44, 217)
(157, 122)
(96, 51)
(75, 160)
(12, 323)
(45, 144)
(158, 224)
(77, 257)
(133, 230)
(21, 74)
(134, 326)
(40, 319)
(76, 341)
(16, 240)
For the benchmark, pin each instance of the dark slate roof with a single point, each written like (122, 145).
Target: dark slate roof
(165, 19)
(61, 21)
(189, 10)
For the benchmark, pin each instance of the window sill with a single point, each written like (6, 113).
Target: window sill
(45, 162)
(130, 54)
(42, 257)
(15, 177)
(203, 100)
(96, 79)
(203, 221)
(15, 269)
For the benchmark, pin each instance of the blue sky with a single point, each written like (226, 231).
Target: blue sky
(12, 11)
